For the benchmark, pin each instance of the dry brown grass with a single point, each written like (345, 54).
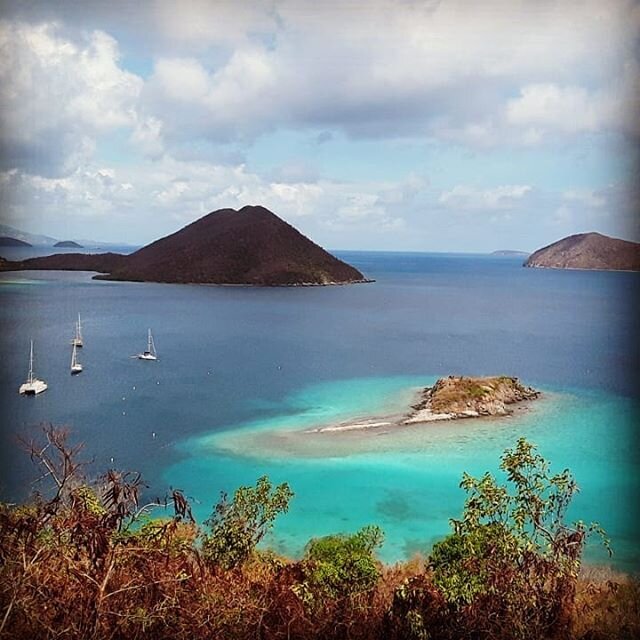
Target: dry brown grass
(607, 605)
(68, 569)
(162, 588)
(456, 393)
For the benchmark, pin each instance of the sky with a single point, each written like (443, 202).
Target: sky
(401, 125)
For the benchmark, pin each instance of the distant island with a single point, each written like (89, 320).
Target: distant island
(588, 251)
(251, 246)
(509, 252)
(39, 240)
(69, 244)
(31, 238)
(5, 241)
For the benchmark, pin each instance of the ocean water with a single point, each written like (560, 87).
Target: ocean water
(243, 371)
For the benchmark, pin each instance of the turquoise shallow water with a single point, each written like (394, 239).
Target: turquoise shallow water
(407, 482)
(241, 370)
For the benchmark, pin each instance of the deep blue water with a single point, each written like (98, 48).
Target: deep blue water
(233, 356)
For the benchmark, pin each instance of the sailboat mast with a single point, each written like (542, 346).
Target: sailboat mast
(31, 364)
(149, 342)
(79, 328)
(73, 356)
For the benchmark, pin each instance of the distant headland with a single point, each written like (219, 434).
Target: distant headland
(509, 253)
(251, 246)
(588, 251)
(6, 241)
(68, 244)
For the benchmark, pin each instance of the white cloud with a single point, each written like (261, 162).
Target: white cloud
(359, 206)
(152, 198)
(567, 109)
(463, 197)
(201, 22)
(181, 79)
(234, 101)
(214, 76)
(147, 137)
(478, 73)
(611, 209)
(175, 194)
(482, 74)
(158, 197)
(250, 73)
(55, 94)
(299, 198)
(593, 198)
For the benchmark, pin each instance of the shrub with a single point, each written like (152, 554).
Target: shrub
(511, 565)
(237, 526)
(418, 608)
(90, 563)
(342, 565)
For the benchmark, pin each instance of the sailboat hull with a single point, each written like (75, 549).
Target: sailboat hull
(150, 352)
(33, 388)
(77, 339)
(76, 369)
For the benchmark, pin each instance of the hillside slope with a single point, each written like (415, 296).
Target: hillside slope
(251, 246)
(588, 251)
(7, 241)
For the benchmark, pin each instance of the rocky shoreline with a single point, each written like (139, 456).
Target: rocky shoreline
(459, 397)
(588, 251)
(451, 398)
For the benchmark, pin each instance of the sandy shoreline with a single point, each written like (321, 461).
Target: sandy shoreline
(415, 417)
(424, 416)
(398, 430)
(352, 426)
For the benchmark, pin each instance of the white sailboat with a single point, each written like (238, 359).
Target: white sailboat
(150, 353)
(76, 367)
(77, 339)
(33, 385)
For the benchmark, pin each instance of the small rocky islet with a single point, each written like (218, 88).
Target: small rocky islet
(450, 398)
(457, 397)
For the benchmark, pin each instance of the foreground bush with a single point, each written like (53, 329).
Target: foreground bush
(236, 527)
(341, 565)
(510, 568)
(88, 561)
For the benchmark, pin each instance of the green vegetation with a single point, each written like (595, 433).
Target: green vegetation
(90, 562)
(340, 565)
(237, 527)
(512, 552)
